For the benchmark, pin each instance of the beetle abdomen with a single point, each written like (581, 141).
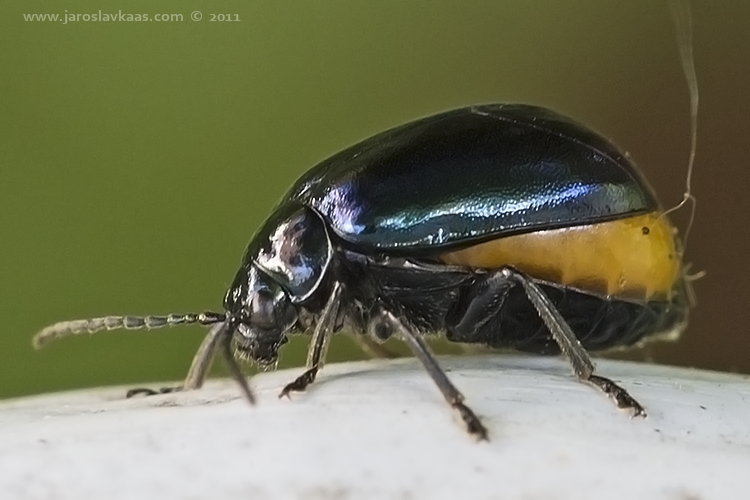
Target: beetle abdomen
(633, 258)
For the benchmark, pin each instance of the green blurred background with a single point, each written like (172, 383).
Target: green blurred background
(136, 159)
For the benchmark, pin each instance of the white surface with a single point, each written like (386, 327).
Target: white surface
(380, 429)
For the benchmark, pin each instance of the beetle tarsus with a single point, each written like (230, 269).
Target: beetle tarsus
(620, 396)
(145, 391)
(473, 425)
(300, 383)
(138, 391)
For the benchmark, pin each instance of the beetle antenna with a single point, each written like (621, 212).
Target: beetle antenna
(683, 21)
(93, 325)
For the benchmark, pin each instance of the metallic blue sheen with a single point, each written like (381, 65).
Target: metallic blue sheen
(472, 174)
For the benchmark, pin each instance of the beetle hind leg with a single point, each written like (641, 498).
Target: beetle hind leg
(569, 344)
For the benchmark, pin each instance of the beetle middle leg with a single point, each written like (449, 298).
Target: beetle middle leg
(388, 321)
(569, 344)
(319, 343)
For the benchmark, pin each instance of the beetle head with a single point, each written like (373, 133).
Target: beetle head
(263, 312)
(284, 266)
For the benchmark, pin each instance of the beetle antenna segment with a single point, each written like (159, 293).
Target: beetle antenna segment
(93, 325)
(683, 21)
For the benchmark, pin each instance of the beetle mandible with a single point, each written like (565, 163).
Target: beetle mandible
(506, 225)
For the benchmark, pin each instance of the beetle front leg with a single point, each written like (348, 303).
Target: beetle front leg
(198, 371)
(569, 344)
(319, 343)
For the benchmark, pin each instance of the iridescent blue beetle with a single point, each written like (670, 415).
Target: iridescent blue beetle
(502, 224)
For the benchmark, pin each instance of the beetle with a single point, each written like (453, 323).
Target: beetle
(507, 225)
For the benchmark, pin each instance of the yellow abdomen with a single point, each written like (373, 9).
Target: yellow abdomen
(630, 258)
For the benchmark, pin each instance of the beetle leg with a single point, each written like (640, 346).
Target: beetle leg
(451, 394)
(224, 341)
(570, 345)
(220, 336)
(198, 371)
(319, 343)
(202, 360)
